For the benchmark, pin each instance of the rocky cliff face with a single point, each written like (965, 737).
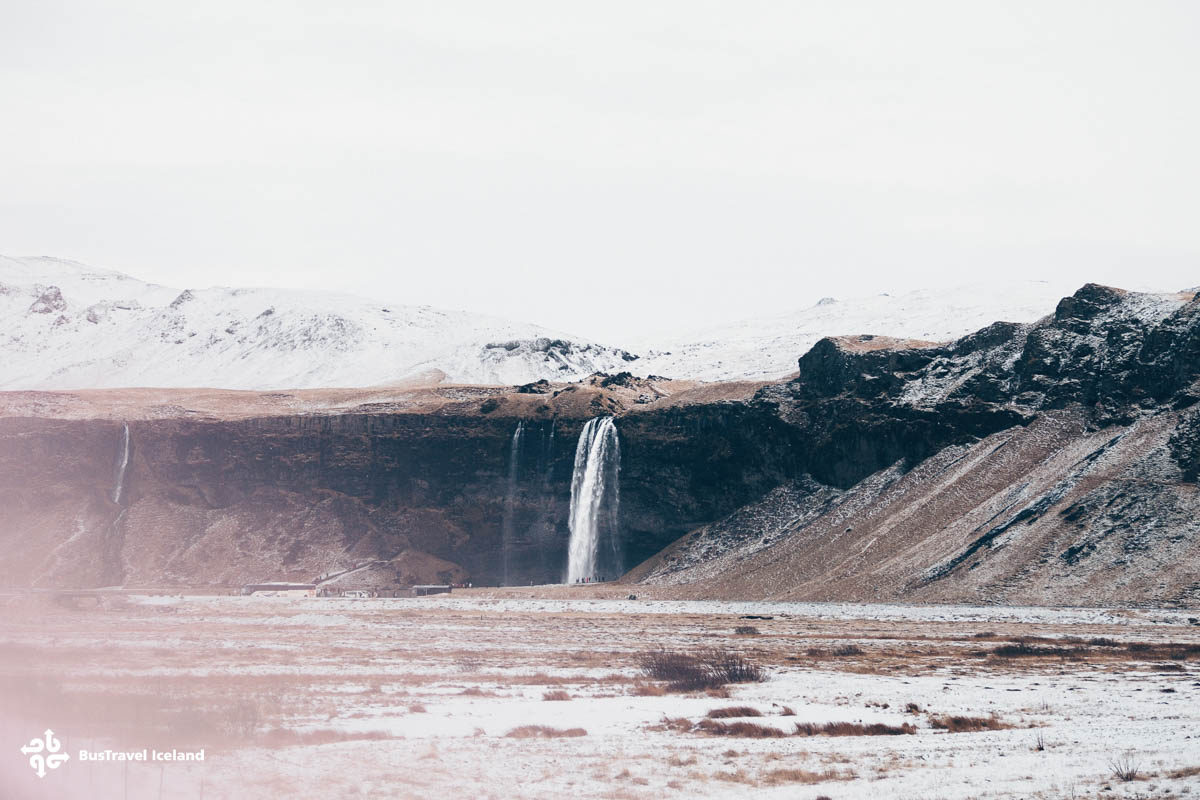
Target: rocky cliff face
(1051, 462)
(224, 501)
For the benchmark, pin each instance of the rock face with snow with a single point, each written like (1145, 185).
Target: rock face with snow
(1053, 462)
(1044, 462)
(64, 325)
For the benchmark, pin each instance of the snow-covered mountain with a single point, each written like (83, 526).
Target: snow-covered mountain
(64, 325)
(768, 347)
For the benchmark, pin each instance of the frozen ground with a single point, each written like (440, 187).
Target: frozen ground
(417, 698)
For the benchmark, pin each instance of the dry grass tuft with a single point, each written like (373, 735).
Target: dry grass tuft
(1184, 772)
(1125, 768)
(1024, 650)
(748, 729)
(853, 729)
(708, 669)
(780, 776)
(733, 711)
(955, 724)
(544, 732)
(733, 777)
(746, 630)
(556, 694)
(675, 724)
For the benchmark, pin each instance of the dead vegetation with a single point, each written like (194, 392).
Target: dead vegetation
(752, 730)
(556, 694)
(706, 669)
(960, 724)
(777, 777)
(733, 711)
(1125, 767)
(853, 729)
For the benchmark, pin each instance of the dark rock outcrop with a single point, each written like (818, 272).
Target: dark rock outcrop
(1067, 450)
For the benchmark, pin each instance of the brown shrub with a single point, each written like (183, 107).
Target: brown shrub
(556, 694)
(647, 690)
(955, 724)
(733, 711)
(544, 732)
(708, 669)
(853, 729)
(746, 630)
(1184, 772)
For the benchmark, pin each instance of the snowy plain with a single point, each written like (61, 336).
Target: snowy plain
(428, 697)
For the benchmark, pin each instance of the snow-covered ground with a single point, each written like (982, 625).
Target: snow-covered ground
(65, 325)
(408, 698)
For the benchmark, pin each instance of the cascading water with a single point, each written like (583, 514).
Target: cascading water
(508, 525)
(594, 547)
(122, 464)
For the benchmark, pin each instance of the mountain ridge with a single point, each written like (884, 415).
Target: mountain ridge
(66, 325)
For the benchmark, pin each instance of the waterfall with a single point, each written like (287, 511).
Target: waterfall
(122, 463)
(595, 500)
(508, 524)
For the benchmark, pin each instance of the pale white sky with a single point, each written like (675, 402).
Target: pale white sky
(604, 168)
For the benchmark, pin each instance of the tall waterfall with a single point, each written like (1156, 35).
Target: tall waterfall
(594, 548)
(122, 464)
(508, 524)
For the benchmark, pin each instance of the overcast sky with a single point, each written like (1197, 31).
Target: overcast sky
(604, 168)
